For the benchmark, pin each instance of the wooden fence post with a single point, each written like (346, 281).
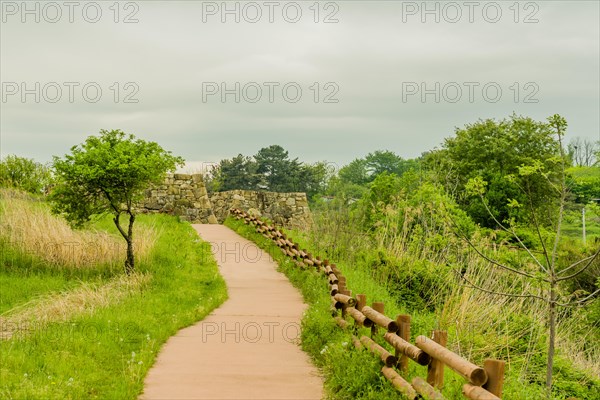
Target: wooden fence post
(495, 373)
(344, 306)
(435, 371)
(361, 301)
(379, 307)
(403, 322)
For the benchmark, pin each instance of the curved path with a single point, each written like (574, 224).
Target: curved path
(248, 347)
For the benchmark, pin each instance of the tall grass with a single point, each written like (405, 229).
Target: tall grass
(99, 343)
(411, 250)
(29, 226)
(62, 306)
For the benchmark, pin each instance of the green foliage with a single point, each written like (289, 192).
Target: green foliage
(25, 174)
(584, 183)
(270, 169)
(108, 173)
(417, 210)
(382, 161)
(383, 189)
(355, 173)
(343, 192)
(362, 171)
(416, 284)
(238, 173)
(394, 280)
(518, 158)
(276, 168)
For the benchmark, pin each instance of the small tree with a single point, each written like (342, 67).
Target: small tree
(548, 271)
(108, 174)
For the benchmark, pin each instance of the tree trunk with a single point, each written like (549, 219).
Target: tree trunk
(552, 323)
(129, 263)
(128, 236)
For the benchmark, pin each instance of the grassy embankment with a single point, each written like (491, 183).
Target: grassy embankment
(73, 325)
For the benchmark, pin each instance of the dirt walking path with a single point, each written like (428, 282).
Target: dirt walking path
(245, 349)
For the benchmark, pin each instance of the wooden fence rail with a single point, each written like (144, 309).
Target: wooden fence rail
(482, 382)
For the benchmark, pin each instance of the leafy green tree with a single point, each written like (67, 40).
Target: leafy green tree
(240, 172)
(384, 188)
(25, 174)
(108, 174)
(355, 173)
(311, 179)
(494, 151)
(383, 191)
(362, 171)
(270, 169)
(278, 170)
(346, 192)
(382, 161)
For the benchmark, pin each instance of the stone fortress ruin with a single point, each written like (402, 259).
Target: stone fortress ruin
(186, 196)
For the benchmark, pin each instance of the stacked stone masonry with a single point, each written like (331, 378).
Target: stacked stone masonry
(182, 195)
(186, 196)
(287, 209)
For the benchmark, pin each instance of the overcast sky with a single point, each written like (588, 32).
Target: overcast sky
(327, 81)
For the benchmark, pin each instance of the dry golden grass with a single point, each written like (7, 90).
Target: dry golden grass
(59, 307)
(31, 227)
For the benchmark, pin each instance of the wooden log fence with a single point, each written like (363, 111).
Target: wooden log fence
(482, 382)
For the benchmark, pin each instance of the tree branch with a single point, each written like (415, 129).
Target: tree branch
(473, 286)
(513, 233)
(494, 262)
(591, 260)
(117, 214)
(537, 228)
(579, 302)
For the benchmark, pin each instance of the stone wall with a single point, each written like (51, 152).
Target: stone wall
(186, 196)
(288, 209)
(183, 195)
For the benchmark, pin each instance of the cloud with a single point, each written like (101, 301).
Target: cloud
(366, 62)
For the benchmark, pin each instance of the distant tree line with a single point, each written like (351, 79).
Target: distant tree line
(270, 169)
(24, 174)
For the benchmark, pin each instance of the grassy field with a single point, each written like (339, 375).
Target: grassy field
(573, 224)
(82, 329)
(355, 374)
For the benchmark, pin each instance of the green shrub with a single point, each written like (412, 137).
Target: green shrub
(24, 173)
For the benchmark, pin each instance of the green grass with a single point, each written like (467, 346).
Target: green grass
(106, 354)
(24, 277)
(19, 289)
(573, 225)
(355, 374)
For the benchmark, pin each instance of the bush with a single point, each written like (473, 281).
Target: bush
(24, 173)
(414, 283)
